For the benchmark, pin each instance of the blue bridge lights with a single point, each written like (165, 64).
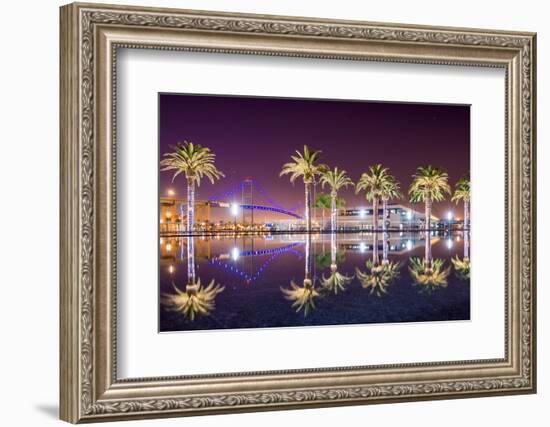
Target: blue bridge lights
(261, 194)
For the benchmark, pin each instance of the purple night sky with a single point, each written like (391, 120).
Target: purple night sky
(253, 137)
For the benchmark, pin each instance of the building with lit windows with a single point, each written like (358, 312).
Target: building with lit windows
(399, 217)
(219, 216)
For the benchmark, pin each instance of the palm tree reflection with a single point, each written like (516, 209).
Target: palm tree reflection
(462, 266)
(336, 281)
(428, 273)
(378, 277)
(195, 299)
(303, 297)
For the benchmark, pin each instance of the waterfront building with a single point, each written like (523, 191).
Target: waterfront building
(212, 216)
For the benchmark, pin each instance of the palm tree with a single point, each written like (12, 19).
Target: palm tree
(195, 162)
(325, 259)
(462, 267)
(389, 191)
(378, 278)
(335, 179)
(335, 281)
(303, 296)
(429, 277)
(322, 201)
(429, 184)
(194, 300)
(304, 165)
(462, 192)
(373, 183)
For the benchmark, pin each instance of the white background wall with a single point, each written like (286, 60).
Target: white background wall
(29, 170)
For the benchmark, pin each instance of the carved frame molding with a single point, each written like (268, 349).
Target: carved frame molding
(90, 37)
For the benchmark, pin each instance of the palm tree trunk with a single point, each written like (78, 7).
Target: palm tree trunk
(428, 214)
(190, 204)
(466, 215)
(307, 267)
(333, 211)
(333, 251)
(190, 261)
(385, 244)
(307, 212)
(322, 236)
(375, 256)
(312, 197)
(384, 214)
(375, 213)
(427, 249)
(466, 230)
(427, 236)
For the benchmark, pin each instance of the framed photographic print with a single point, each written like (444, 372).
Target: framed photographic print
(263, 212)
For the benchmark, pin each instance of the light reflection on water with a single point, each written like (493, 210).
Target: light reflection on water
(251, 281)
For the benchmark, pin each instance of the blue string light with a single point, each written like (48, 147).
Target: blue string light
(275, 253)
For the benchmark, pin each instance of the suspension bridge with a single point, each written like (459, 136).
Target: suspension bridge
(250, 196)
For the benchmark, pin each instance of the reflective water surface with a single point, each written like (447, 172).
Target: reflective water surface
(253, 281)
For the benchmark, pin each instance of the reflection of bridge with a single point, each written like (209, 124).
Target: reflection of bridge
(273, 253)
(261, 252)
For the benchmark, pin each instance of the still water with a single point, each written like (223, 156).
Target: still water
(251, 281)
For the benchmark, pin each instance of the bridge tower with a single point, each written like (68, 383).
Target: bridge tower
(248, 199)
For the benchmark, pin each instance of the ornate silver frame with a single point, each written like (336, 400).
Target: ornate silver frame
(90, 36)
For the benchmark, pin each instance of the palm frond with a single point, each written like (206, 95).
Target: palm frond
(374, 182)
(194, 300)
(429, 277)
(335, 179)
(378, 277)
(192, 160)
(429, 183)
(391, 189)
(335, 282)
(462, 191)
(322, 200)
(302, 297)
(462, 267)
(303, 165)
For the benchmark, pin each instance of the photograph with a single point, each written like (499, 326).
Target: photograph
(290, 185)
(293, 212)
